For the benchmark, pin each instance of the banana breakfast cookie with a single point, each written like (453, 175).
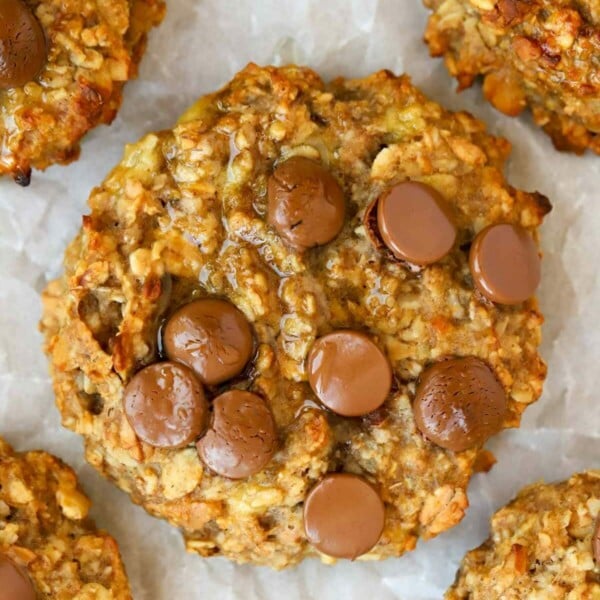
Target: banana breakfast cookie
(544, 544)
(304, 306)
(63, 64)
(49, 550)
(541, 54)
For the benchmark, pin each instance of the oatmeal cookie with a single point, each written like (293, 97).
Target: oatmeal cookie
(544, 544)
(49, 549)
(541, 54)
(63, 64)
(243, 317)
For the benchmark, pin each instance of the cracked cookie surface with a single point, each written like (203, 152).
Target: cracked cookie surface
(184, 217)
(93, 49)
(541, 546)
(541, 54)
(45, 533)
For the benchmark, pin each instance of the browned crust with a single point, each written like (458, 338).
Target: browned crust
(541, 54)
(94, 49)
(44, 529)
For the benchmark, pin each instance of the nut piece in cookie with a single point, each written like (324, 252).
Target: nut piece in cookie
(49, 548)
(243, 244)
(541, 545)
(63, 66)
(540, 54)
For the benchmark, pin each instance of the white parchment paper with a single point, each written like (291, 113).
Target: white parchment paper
(201, 44)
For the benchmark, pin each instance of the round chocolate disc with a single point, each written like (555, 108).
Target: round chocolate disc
(349, 373)
(242, 437)
(343, 516)
(596, 541)
(459, 403)
(505, 264)
(414, 223)
(14, 584)
(212, 337)
(165, 405)
(305, 203)
(22, 44)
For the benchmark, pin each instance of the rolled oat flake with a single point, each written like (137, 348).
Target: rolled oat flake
(459, 403)
(23, 49)
(415, 224)
(14, 583)
(306, 204)
(165, 405)
(344, 516)
(348, 373)
(505, 264)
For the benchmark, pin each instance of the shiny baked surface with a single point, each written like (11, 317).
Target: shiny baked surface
(183, 216)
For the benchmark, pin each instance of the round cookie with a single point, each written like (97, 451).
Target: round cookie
(544, 544)
(185, 218)
(63, 64)
(49, 549)
(541, 55)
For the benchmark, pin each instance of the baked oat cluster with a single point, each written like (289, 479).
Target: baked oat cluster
(49, 549)
(541, 54)
(544, 544)
(304, 306)
(63, 64)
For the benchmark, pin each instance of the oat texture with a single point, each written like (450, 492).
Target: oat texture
(45, 530)
(544, 54)
(183, 217)
(540, 547)
(94, 47)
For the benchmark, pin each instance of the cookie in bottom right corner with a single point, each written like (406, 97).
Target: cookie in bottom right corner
(545, 544)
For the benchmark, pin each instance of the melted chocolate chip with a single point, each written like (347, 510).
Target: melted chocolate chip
(242, 437)
(505, 264)
(414, 223)
(165, 405)
(349, 373)
(344, 516)
(14, 583)
(212, 337)
(22, 44)
(459, 403)
(305, 203)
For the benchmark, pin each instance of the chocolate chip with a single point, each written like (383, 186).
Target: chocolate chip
(242, 437)
(459, 403)
(210, 336)
(165, 405)
(596, 541)
(414, 223)
(14, 583)
(344, 516)
(505, 264)
(305, 203)
(22, 44)
(349, 373)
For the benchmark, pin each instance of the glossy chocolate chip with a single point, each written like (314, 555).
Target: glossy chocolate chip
(596, 541)
(305, 203)
(414, 223)
(22, 44)
(344, 516)
(459, 403)
(505, 264)
(242, 437)
(349, 373)
(212, 337)
(165, 405)
(14, 583)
